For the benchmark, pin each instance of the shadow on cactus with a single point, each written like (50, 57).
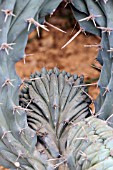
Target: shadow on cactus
(52, 135)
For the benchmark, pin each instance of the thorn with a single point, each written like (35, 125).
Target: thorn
(22, 131)
(29, 103)
(83, 154)
(52, 12)
(81, 138)
(106, 90)
(8, 81)
(17, 164)
(20, 155)
(58, 164)
(81, 30)
(67, 2)
(38, 78)
(86, 135)
(32, 21)
(104, 29)
(5, 133)
(98, 46)
(26, 55)
(111, 50)
(5, 46)
(16, 108)
(74, 124)
(42, 26)
(107, 120)
(85, 85)
(73, 28)
(38, 32)
(55, 27)
(105, 1)
(7, 14)
(91, 17)
(87, 95)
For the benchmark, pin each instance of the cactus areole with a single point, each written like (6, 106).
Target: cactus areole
(49, 125)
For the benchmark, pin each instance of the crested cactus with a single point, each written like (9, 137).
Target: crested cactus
(38, 133)
(58, 102)
(55, 99)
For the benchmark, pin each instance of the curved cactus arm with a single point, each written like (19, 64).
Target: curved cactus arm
(94, 17)
(18, 141)
(106, 75)
(89, 145)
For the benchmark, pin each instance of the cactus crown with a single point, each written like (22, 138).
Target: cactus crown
(53, 100)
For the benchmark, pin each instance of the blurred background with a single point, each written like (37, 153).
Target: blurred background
(47, 52)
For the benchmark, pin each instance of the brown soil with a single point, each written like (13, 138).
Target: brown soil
(47, 53)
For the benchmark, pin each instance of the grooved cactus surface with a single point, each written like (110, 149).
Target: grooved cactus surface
(90, 145)
(70, 143)
(55, 99)
(52, 99)
(93, 17)
(17, 140)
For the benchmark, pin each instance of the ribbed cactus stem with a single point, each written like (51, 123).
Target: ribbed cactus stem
(17, 140)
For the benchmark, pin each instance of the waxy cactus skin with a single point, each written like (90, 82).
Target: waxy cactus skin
(50, 126)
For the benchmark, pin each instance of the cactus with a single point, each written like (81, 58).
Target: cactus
(93, 17)
(53, 100)
(56, 99)
(17, 140)
(90, 145)
(58, 102)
